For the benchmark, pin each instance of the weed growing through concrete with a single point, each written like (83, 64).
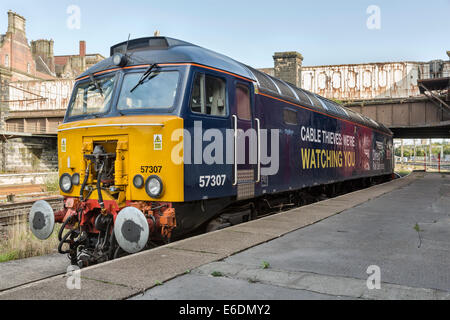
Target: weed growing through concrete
(417, 228)
(158, 283)
(265, 265)
(217, 274)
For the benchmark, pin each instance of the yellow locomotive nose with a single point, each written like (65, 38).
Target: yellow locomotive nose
(138, 148)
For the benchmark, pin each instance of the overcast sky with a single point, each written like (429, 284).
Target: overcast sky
(325, 32)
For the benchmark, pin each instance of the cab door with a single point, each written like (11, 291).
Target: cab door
(246, 141)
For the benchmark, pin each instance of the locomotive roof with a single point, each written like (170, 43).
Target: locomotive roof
(168, 50)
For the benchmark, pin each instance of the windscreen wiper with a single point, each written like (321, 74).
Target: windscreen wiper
(144, 77)
(95, 82)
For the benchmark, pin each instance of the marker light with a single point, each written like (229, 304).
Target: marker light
(154, 186)
(138, 181)
(76, 179)
(120, 60)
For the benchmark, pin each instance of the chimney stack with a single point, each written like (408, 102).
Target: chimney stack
(288, 67)
(44, 49)
(16, 23)
(82, 48)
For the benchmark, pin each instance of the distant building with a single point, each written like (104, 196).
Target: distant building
(17, 61)
(20, 61)
(33, 78)
(72, 65)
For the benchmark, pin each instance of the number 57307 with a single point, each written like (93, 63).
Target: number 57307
(212, 181)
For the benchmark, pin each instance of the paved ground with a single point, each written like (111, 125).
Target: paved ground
(319, 251)
(17, 272)
(330, 258)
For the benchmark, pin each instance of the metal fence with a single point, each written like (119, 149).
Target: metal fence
(429, 165)
(36, 128)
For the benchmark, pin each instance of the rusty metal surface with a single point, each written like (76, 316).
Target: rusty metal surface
(40, 95)
(363, 81)
(368, 81)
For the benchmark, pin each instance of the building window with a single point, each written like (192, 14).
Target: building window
(28, 68)
(7, 60)
(208, 95)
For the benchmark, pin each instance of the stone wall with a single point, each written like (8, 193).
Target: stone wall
(28, 154)
(5, 78)
(288, 67)
(26, 178)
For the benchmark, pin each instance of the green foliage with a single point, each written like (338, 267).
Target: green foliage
(417, 228)
(265, 265)
(403, 172)
(420, 153)
(51, 183)
(217, 274)
(338, 101)
(8, 256)
(447, 150)
(20, 243)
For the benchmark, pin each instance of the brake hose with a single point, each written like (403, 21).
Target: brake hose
(86, 176)
(99, 189)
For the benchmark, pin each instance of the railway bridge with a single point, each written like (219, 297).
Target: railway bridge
(411, 98)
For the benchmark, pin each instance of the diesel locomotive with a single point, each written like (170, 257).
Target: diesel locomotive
(164, 138)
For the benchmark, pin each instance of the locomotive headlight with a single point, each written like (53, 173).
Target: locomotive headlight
(76, 179)
(138, 181)
(120, 60)
(65, 183)
(154, 186)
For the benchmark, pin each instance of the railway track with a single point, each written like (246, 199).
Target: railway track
(12, 213)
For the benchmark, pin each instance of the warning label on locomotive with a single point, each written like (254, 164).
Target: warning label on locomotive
(63, 145)
(157, 142)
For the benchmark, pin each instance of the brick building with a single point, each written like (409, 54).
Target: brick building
(20, 61)
(16, 56)
(33, 97)
(36, 63)
(70, 66)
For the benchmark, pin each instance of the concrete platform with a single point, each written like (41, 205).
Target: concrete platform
(313, 251)
(17, 272)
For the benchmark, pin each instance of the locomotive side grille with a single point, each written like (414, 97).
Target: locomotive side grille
(246, 184)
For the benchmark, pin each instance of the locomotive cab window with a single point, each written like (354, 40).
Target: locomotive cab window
(92, 97)
(290, 117)
(158, 91)
(208, 95)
